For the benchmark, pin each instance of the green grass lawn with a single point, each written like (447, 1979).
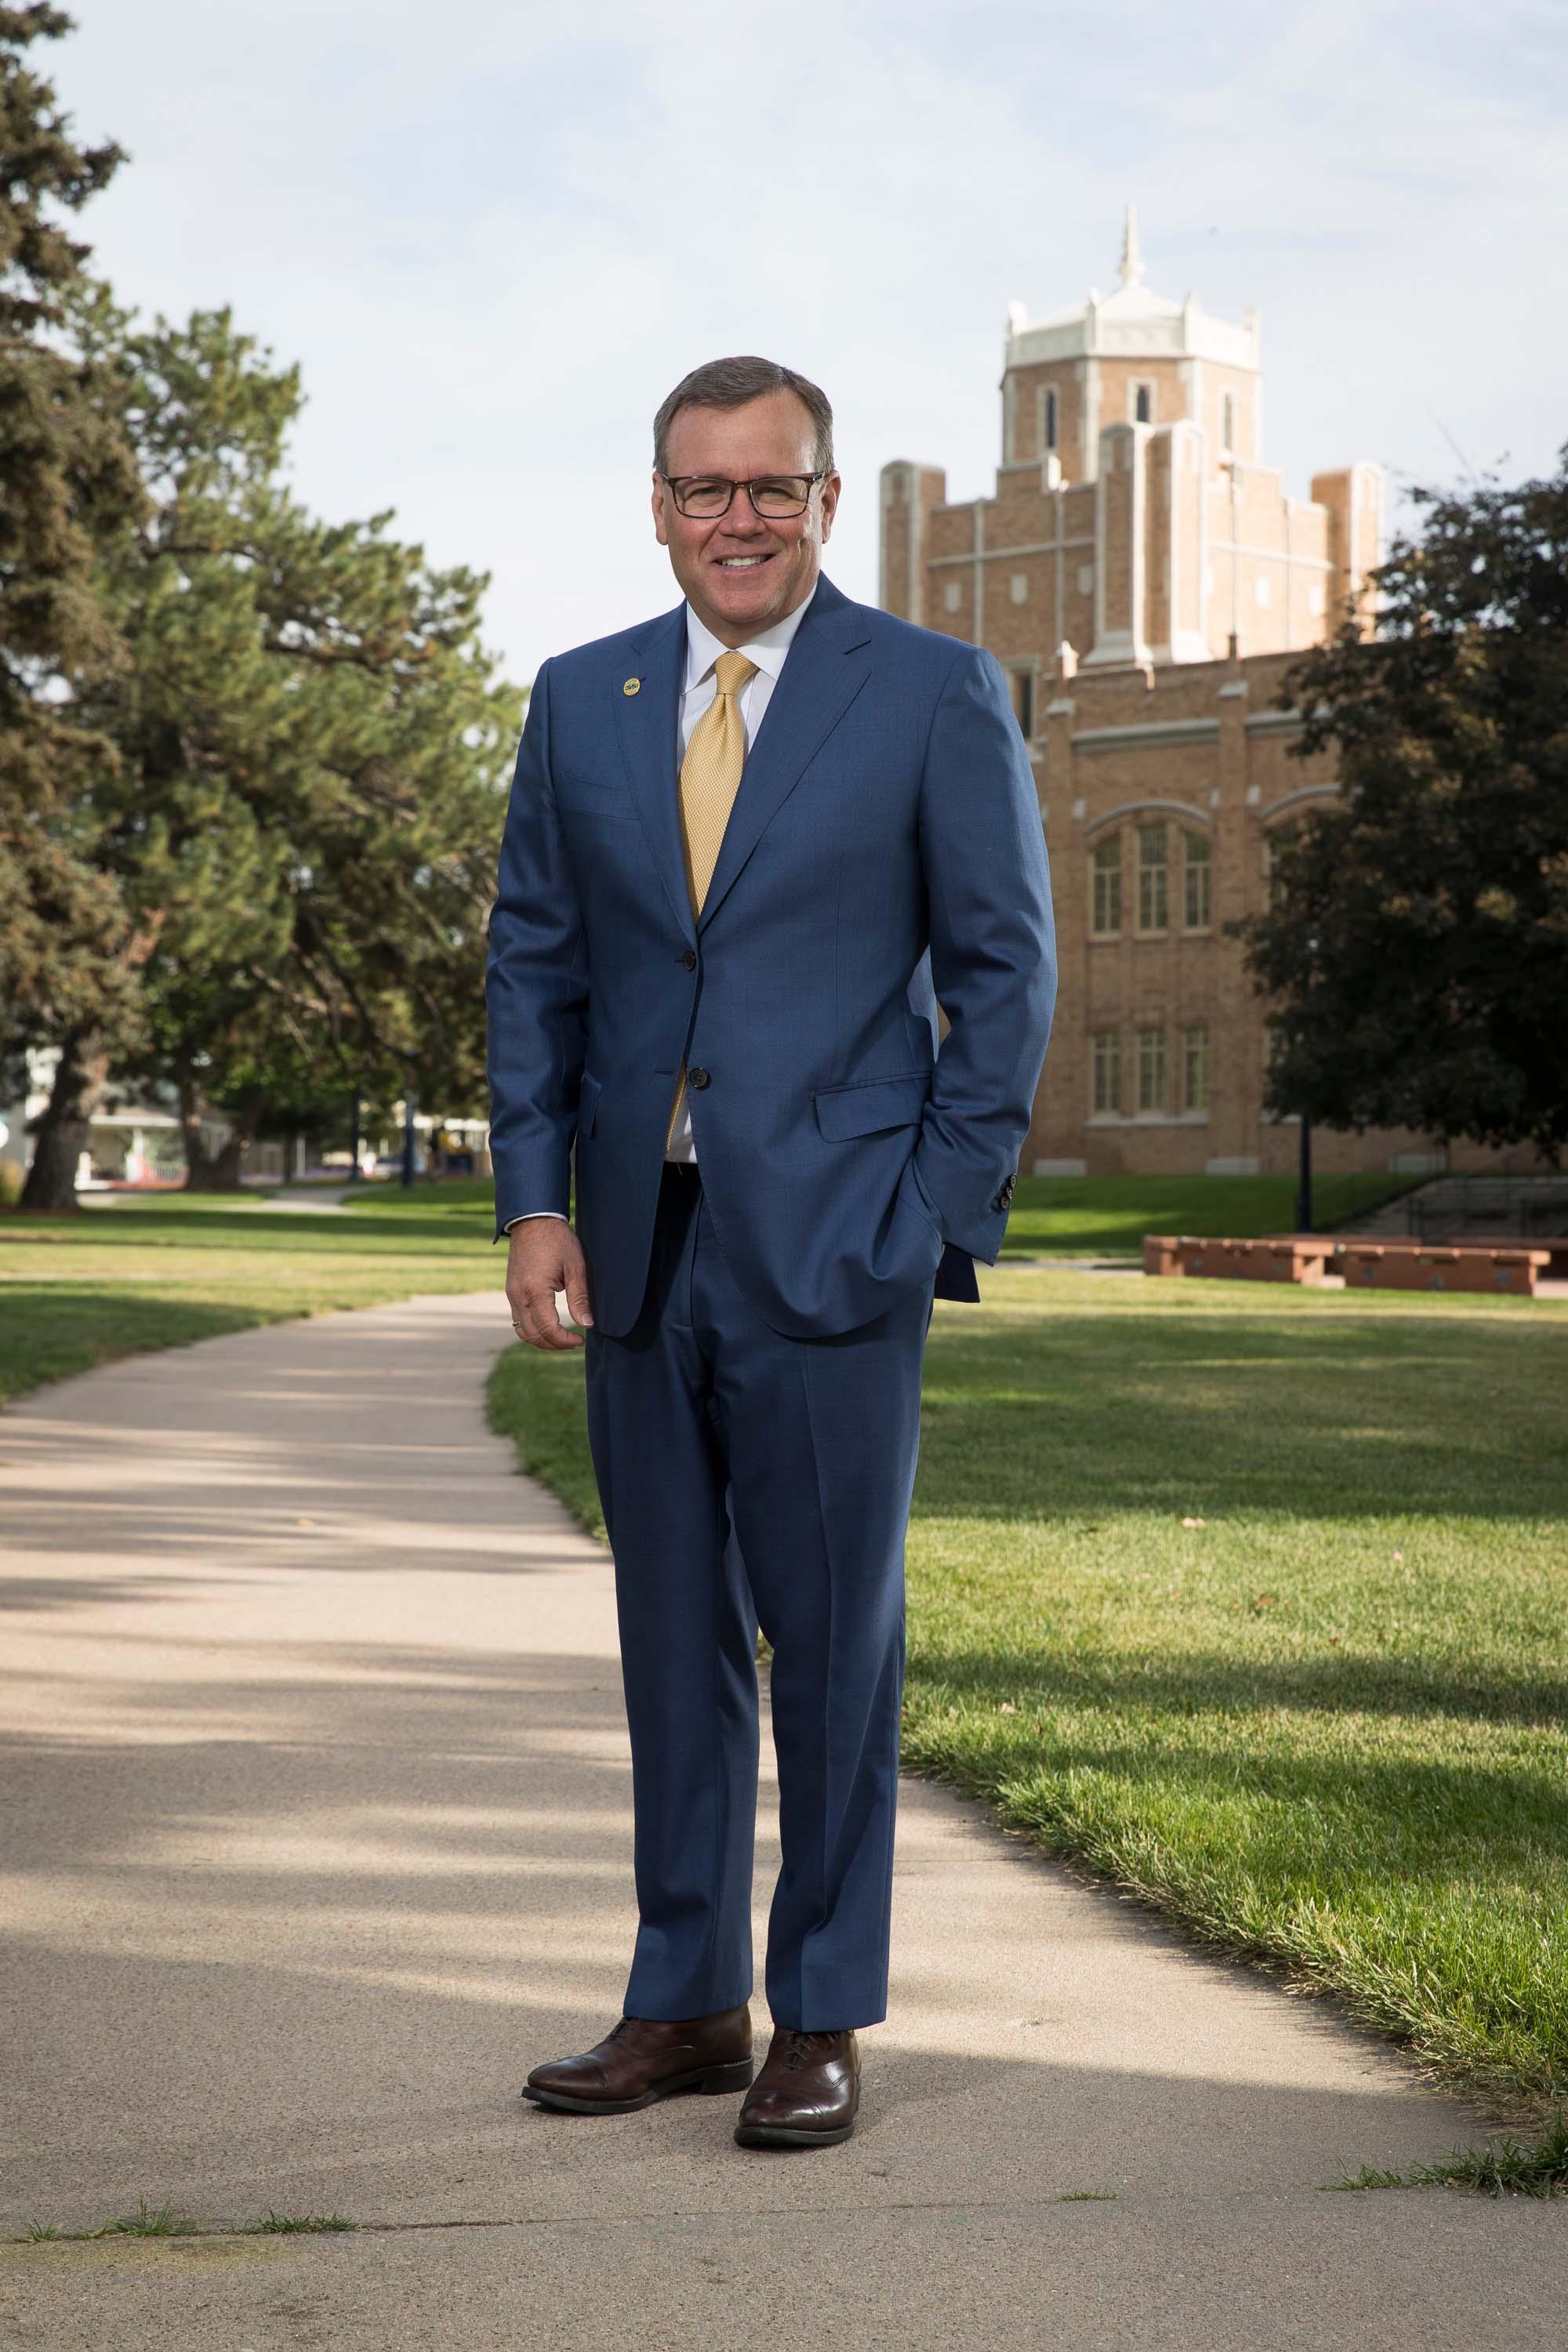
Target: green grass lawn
(1091, 1216)
(157, 1270)
(1108, 1216)
(1255, 1602)
(447, 1196)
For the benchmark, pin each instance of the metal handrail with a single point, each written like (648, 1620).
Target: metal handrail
(1527, 1204)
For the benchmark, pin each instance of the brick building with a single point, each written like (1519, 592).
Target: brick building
(1144, 580)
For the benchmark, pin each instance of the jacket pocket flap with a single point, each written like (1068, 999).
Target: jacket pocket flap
(873, 1103)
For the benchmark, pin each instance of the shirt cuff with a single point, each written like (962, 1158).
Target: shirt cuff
(532, 1213)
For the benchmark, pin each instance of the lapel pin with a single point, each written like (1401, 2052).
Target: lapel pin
(631, 686)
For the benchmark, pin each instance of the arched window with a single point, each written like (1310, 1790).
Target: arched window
(1227, 423)
(1048, 418)
(1154, 871)
(1143, 405)
(1197, 865)
(1105, 911)
(1276, 838)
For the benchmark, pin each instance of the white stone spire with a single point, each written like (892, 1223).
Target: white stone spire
(1132, 270)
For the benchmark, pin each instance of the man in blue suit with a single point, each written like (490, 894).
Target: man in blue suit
(752, 846)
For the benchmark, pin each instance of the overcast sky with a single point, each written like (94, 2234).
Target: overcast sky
(495, 233)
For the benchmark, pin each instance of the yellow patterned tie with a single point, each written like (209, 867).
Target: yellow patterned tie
(710, 778)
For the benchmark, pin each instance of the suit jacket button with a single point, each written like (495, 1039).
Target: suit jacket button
(688, 961)
(697, 1078)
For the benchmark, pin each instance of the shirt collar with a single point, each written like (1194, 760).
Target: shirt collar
(768, 650)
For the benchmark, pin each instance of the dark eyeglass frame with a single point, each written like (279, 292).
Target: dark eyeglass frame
(675, 484)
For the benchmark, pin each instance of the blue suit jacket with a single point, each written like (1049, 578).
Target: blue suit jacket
(884, 853)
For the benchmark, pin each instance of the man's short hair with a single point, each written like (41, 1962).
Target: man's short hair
(730, 383)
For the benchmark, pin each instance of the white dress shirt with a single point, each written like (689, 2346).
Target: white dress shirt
(702, 650)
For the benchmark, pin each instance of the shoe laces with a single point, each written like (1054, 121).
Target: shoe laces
(803, 2047)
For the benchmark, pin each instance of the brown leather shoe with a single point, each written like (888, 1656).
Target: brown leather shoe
(806, 2094)
(643, 2059)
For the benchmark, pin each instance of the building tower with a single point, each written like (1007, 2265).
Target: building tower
(1144, 578)
(1131, 429)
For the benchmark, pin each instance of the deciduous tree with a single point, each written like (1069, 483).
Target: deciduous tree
(1417, 940)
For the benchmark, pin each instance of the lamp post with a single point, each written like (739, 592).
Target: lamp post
(1304, 1178)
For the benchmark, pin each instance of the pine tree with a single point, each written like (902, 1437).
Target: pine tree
(313, 760)
(252, 766)
(68, 489)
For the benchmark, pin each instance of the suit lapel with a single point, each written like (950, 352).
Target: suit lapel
(649, 724)
(823, 673)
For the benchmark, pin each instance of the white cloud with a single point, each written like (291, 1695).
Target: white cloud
(494, 234)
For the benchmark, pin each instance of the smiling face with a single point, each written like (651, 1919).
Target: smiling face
(742, 572)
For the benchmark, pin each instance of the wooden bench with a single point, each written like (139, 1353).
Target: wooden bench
(1288, 1257)
(1499, 1269)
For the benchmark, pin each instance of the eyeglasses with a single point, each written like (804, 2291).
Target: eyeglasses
(704, 496)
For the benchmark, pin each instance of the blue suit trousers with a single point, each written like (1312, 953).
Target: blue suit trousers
(748, 1476)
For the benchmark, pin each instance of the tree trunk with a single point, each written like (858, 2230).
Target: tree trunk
(61, 1130)
(227, 1163)
(198, 1160)
(219, 1170)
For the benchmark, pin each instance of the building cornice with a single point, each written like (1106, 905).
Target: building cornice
(1275, 723)
(1148, 735)
(1174, 332)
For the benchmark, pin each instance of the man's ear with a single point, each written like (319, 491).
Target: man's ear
(830, 489)
(659, 532)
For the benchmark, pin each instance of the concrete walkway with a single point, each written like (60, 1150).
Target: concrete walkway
(315, 1803)
(308, 1199)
